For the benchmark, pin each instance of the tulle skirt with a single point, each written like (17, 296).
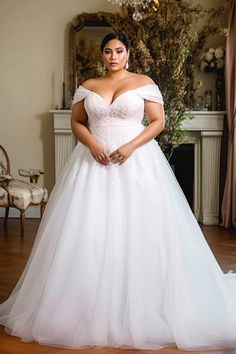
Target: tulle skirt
(120, 261)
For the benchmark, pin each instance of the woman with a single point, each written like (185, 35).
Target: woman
(119, 259)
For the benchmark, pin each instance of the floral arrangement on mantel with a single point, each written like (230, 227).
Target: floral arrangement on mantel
(165, 47)
(212, 59)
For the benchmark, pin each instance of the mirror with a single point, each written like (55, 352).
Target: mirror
(85, 35)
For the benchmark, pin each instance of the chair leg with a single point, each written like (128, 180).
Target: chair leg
(6, 217)
(22, 222)
(42, 208)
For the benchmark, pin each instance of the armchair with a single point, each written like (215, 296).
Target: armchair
(19, 194)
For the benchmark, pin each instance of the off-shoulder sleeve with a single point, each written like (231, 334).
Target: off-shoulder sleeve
(151, 93)
(80, 94)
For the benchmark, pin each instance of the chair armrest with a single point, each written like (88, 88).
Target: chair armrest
(4, 181)
(5, 178)
(32, 173)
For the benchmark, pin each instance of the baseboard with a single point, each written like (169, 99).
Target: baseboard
(31, 212)
(209, 219)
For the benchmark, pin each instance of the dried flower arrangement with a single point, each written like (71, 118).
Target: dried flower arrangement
(212, 59)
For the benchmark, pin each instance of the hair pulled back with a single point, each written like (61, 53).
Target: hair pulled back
(121, 36)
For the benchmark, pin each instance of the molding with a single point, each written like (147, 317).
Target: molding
(204, 120)
(210, 133)
(210, 219)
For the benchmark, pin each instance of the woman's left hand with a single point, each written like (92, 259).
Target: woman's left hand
(122, 154)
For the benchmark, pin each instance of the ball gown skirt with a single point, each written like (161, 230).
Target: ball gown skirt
(119, 259)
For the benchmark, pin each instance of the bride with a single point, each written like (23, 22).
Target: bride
(119, 259)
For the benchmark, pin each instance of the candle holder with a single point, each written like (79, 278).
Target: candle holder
(63, 105)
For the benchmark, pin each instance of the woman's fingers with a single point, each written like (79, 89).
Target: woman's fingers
(114, 152)
(106, 157)
(103, 158)
(116, 157)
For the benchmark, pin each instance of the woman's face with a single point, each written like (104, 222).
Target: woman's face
(115, 55)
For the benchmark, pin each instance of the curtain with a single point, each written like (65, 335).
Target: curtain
(229, 198)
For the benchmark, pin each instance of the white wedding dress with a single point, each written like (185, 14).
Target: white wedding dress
(119, 259)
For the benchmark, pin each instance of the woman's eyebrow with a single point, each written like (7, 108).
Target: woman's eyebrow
(115, 48)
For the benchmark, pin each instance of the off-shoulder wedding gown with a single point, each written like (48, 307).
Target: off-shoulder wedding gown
(119, 259)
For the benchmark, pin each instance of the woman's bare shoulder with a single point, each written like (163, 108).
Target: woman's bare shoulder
(142, 79)
(90, 83)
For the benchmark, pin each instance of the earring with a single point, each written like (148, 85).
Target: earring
(127, 65)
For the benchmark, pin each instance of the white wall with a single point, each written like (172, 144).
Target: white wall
(32, 42)
(32, 47)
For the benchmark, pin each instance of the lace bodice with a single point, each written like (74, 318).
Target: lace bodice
(127, 108)
(117, 123)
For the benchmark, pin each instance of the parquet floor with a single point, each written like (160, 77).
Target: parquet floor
(13, 256)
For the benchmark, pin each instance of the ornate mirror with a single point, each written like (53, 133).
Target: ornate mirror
(85, 35)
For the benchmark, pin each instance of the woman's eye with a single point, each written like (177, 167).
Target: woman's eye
(119, 51)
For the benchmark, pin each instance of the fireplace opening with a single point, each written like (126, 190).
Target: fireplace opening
(182, 163)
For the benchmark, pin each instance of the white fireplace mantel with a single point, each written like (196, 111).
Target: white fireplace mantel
(204, 131)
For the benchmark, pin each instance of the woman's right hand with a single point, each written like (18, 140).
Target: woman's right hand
(99, 153)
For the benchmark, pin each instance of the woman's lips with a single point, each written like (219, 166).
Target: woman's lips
(113, 64)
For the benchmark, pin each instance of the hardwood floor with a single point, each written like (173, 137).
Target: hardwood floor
(14, 253)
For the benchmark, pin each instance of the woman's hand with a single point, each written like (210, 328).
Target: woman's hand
(99, 153)
(122, 153)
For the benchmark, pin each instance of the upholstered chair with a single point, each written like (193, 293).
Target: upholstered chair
(17, 193)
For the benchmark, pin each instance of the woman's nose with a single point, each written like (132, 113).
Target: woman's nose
(113, 55)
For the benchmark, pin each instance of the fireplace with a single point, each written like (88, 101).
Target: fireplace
(182, 164)
(203, 134)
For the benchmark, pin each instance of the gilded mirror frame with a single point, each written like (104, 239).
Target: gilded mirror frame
(81, 21)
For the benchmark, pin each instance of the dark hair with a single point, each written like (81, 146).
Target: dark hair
(121, 36)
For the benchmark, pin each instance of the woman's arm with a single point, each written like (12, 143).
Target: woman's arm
(156, 119)
(82, 133)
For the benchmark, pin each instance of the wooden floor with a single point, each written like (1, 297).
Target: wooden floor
(14, 253)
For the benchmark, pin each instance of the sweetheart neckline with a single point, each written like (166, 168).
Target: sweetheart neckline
(110, 104)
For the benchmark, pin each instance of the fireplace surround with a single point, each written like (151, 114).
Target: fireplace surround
(204, 131)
